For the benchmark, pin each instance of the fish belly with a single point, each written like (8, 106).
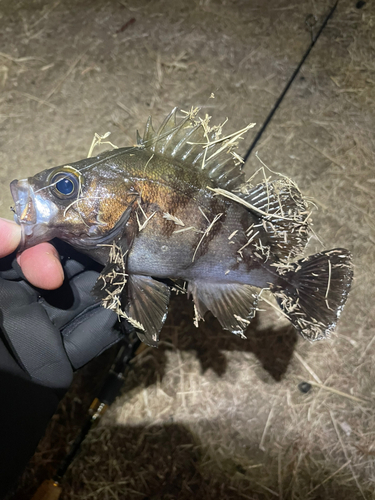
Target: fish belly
(154, 255)
(194, 256)
(213, 270)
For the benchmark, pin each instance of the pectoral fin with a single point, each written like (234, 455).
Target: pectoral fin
(112, 279)
(234, 305)
(147, 306)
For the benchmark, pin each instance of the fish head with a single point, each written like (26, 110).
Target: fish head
(84, 203)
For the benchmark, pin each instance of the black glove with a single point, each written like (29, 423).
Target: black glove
(44, 335)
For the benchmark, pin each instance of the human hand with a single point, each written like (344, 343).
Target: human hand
(44, 336)
(51, 332)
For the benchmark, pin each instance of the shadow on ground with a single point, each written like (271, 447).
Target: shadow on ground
(112, 464)
(272, 347)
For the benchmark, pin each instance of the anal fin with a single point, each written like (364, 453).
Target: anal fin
(233, 304)
(146, 306)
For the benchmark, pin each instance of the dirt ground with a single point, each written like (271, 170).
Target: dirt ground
(209, 414)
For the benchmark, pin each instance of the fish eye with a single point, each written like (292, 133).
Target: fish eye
(65, 185)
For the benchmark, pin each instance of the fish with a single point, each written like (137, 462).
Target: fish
(175, 213)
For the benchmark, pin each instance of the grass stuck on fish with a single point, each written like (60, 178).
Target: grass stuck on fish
(176, 212)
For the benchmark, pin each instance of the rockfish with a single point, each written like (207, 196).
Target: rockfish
(176, 209)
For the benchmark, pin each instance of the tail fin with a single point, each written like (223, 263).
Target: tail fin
(313, 295)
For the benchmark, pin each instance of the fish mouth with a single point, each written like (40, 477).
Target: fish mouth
(33, 231)
(24, 201)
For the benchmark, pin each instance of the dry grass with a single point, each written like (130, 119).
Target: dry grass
(208, 414)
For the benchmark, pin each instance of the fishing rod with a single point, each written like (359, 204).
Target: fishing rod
(289, 83)
(51, 489)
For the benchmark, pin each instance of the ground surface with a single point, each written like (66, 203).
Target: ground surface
(209, 414)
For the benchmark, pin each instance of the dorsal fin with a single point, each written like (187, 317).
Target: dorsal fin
(283, 215)
(149, 132)
(192, 142)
